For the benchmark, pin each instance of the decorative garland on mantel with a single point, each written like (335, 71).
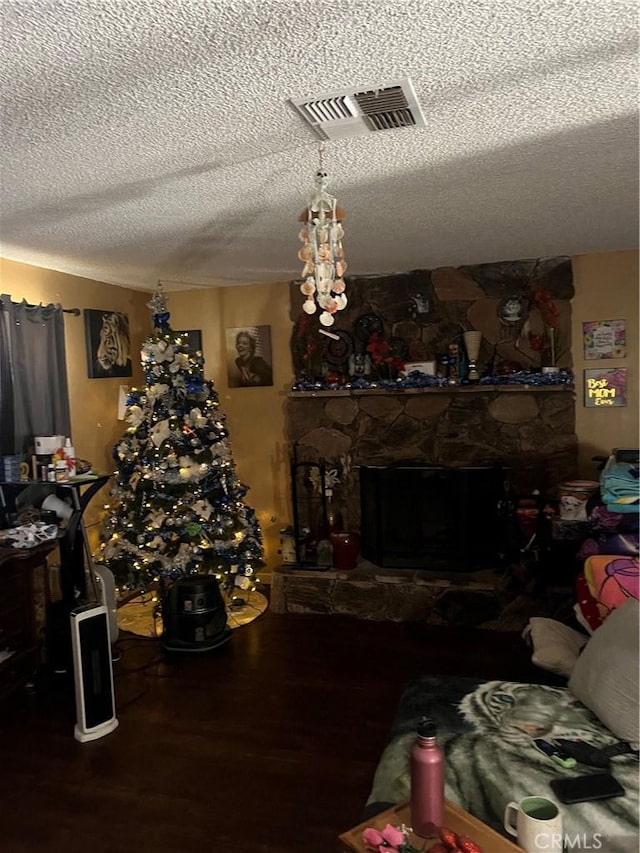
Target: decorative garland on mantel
(416, 379)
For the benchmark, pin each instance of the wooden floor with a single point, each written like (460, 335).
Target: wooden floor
(267, 744)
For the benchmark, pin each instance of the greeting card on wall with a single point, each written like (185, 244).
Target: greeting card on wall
(606, 386)
(123, 396)
(604, 339)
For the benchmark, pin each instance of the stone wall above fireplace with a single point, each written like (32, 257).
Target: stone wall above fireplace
(529, 430)
(415, 317)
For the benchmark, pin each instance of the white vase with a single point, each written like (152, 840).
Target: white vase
(472, 341)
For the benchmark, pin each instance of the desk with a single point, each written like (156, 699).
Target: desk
(20, 647)
(73, 546)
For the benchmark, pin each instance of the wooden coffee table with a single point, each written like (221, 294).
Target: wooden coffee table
(455, 818)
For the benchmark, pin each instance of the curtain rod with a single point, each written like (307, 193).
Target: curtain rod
(75, 311)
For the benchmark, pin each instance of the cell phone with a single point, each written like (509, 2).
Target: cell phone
(582, 789)
(554, 753)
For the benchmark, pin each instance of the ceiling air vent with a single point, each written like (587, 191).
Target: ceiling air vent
(358, 112)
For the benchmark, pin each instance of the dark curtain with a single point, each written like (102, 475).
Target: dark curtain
(7, 430)
(34, 395)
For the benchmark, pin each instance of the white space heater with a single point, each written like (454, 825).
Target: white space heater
(93, 673)
(107, 595)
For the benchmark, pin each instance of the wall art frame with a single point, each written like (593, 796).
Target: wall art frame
(604, 339)
(108, 344)
(249, 362)
(193, 339)
(605, 387)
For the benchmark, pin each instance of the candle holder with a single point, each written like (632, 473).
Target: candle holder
(472, 341)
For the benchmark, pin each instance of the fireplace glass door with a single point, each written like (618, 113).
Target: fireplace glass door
(413, 516)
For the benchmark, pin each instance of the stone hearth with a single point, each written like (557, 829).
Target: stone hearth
(482, 599)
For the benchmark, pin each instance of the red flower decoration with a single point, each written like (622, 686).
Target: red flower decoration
(536, 342)
(378, 348)
(547, 307)
(379, 351)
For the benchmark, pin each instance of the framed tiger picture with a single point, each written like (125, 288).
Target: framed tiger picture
(108, 344)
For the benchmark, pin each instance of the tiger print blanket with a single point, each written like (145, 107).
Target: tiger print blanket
(486, 730)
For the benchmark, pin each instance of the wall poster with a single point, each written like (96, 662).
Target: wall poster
(108, 344)
(249, 356)
(192, 338)
(606, 386)
(604, 339)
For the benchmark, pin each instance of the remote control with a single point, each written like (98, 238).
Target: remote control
(554, 753)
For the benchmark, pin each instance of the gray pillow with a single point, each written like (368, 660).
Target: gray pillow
(555, 646)
(605, 676)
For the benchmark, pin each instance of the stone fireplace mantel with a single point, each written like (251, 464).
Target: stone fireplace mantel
(455, 389)
(529, 429)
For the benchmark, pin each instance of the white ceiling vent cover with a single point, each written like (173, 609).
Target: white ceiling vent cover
(358, 112)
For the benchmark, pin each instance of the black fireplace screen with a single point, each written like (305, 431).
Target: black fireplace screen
(412, 515)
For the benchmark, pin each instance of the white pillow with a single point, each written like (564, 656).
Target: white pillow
(555, 646)
(605, 677)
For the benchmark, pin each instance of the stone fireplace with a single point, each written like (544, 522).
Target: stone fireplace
(529, 428)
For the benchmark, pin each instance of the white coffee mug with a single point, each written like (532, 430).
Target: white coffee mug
(536, 823)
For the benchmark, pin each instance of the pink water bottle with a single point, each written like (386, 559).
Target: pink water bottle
(427, 780)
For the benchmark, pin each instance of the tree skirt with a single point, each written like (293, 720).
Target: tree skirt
(139, 616)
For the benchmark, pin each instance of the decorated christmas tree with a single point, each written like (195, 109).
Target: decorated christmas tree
(177, 504)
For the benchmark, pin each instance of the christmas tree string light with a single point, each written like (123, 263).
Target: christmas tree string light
(177, 506)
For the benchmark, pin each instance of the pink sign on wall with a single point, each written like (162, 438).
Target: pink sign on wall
(604, 339)
(605, 387)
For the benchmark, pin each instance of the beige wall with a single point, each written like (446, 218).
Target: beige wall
(255, 416)
(93, 402)
(606, 289)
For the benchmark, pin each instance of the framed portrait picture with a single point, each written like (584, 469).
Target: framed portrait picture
(604, 339)
(193, 338)
(108, 344)
(513, 310)
(605, 387)
(249, 356)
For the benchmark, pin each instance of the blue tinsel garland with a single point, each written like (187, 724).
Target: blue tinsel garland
(415, 379)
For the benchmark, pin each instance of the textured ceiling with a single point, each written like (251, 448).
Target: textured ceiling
(147, 140)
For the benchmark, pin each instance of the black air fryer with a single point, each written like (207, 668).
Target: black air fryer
(194, 615)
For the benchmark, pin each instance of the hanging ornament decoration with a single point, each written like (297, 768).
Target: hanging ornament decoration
(322, 252)
(158, 305)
